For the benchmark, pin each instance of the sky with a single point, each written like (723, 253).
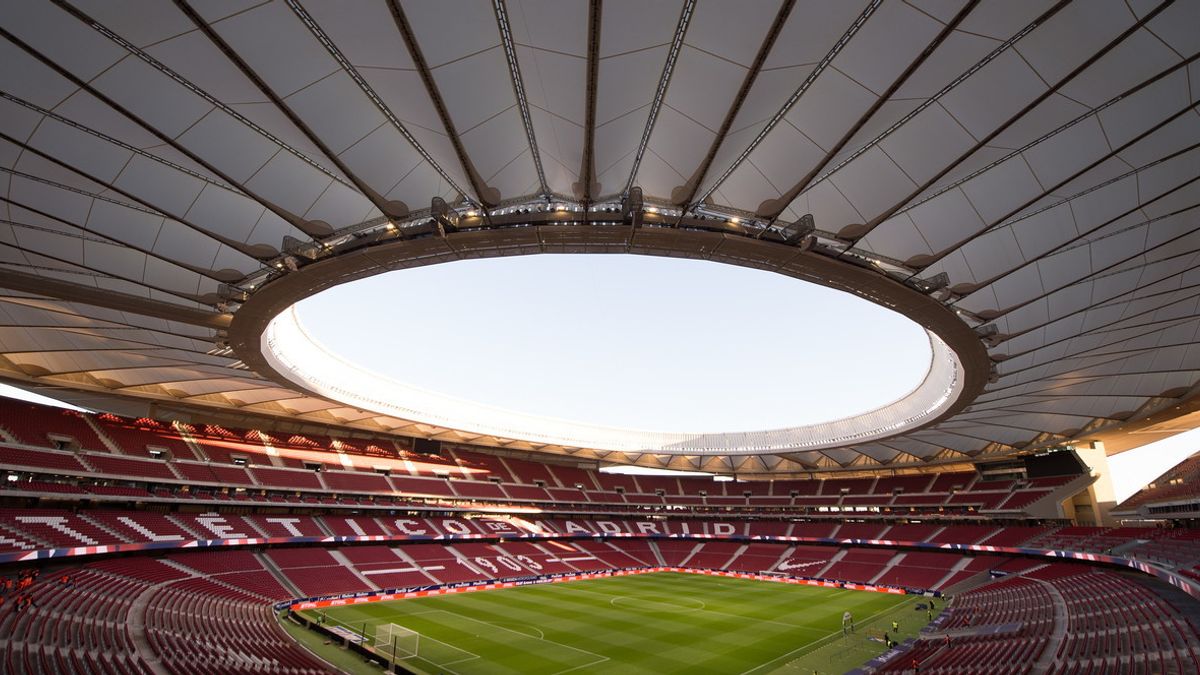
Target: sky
(657, 344)
(1131, 470)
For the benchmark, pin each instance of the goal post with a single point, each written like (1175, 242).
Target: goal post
(396, 641)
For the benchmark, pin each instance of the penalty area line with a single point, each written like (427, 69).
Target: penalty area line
(599, 657)
(814, 642)
(793, 626)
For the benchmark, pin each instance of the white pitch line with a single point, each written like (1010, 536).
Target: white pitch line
(805, 646)
(678, 608)
(472, 657)
(517, 632)
(584, 665)
(699, 609)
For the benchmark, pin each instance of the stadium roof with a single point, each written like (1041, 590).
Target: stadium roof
(1021, 178)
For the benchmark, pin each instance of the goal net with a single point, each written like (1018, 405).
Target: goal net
(396, 641)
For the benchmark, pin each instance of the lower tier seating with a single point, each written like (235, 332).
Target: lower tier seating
(1064, 619)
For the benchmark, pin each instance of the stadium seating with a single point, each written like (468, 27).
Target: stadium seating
(443, 563)
(1177, 548)
(47, 427)
(218, 463)
(1179, 484)
(1106, 624)
(314, 571)
(186, 590)
(141, 436)
(712, 555)
(859, 565)
(239, 634)
(192, 624)
(757, 558)
(98, 480)
(919, 569)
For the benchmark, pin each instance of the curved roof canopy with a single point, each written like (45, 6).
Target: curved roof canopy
(1021, 178)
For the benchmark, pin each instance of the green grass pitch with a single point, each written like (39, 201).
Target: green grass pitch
(649, 623)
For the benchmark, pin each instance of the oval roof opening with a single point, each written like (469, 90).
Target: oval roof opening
(634, 342)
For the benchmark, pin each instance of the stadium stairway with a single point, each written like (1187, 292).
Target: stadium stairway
(1060, 619)
(1059, 631)
(137, 628)
(894, 561)
(107, 440)
(341, 558)
(832, 562)
(278, 574)
(953, 573)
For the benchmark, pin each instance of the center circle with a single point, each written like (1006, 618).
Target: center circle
(657, 604)
(634, 342)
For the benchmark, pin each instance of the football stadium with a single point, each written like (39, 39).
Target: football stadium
(477, 337)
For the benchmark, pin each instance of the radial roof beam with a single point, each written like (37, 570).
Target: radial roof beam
(514, 71)
(1178, 296)
(377, 199)
(660, 93)
(983, 142)
(93, 271)
(777, 206)
(1052, 189)
(484, 195)
(795, 97)
(114, 141)
(1090, 113)
(292, 219)
(246, 249)
(588, 185)
(85, 235)
(1164, 197)
(122, 302)
(684, 199)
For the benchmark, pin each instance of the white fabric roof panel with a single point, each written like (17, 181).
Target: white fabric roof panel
(1044, 156)
(551, 40)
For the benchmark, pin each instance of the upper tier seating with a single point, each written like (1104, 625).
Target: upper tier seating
(40, 459)
(47, 427)
(130, 466)
(1180, 483)
(1177, 548)
(138, 437)
(237, 464)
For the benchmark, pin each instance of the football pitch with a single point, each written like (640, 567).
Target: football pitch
(649, 623)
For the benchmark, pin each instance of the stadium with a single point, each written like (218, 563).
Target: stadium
(233, 240)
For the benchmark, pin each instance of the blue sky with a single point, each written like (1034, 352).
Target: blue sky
(630, 341)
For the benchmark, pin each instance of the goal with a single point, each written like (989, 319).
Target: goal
(396, 642)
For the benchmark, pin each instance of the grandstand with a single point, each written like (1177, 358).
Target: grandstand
(1016, 183)
(128, 542)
